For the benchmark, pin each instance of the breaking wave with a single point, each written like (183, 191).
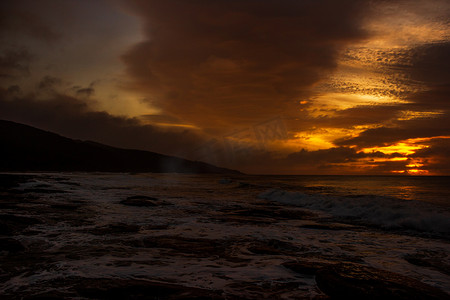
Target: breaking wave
(385, 212)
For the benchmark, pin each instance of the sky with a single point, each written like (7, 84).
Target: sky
(262, 86)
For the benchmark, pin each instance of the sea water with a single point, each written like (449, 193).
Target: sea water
(255, 224)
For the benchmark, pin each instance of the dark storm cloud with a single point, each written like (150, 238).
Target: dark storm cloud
(334, 155)
(13, 90)
(17, 17)
(324, 156)
(431, 66)
(416, 128)
(72, 117)
(221, 62)
(85, 91)
(14, 63)
(160, 119)
(223, 65)
(336, 160)
(359, 115)
(436, 156)
(49, 83)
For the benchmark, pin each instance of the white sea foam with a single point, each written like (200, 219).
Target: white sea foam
(385, 212)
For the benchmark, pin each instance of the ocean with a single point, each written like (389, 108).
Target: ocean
(181, 236)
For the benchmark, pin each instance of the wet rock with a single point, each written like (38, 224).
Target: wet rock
(429, 259)
(144, 201)
(116, 188)
(11, 245)
(257, 290)
(245, 185)
(225, 181)
(273, 247)
(53, 295)
(269, 212)
(204, 247)
(43, 185)
(316, 255)
(305, 267)
(70, 183)
(238, 214)
(7, 205)
(117, 228)
(43, 191)
(5, 229)
(9, 200)
(326, 226)
(140, 289)
(354, 281)
(112, 248)
(197, 247)
(111, 288)
(11, 224)
(244, 220)
(297, 214)
(65, 206)
(156, 226)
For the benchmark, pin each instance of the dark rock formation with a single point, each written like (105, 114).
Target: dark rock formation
(354, 281)
(306, 267)
(10, 245)
(115, 288)
(143, 201)
(116, 228)
(430, 259)
(140, 289)
(330, 226)
(273, 247)
(12, 224)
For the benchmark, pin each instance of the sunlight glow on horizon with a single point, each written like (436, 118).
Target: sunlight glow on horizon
(403, 148)
(360, 86)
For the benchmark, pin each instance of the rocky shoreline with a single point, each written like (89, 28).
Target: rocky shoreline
(131, 259)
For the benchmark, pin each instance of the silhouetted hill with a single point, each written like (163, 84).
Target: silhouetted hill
(25, 148)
